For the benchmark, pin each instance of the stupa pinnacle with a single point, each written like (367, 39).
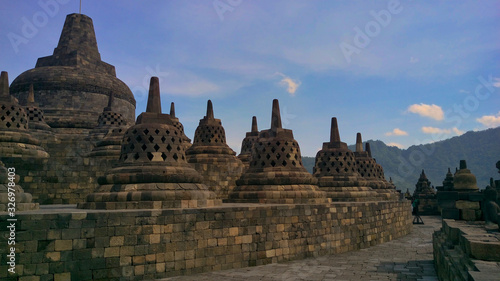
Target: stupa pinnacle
(247, 143)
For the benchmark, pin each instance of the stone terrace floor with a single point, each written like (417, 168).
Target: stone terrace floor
(406, 258)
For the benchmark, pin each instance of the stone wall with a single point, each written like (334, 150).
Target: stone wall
(73, 244)
(68, 175)
(465, 251)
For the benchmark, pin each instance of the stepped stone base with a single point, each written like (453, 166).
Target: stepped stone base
(466, 251)
(278, 194)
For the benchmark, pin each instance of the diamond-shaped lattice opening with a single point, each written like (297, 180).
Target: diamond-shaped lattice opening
(136, 156)
(173, 140)
(263, 163)
(268, 156)
(178, 148)
(259, 156)
(7, 112)
(176, 157)
(176, 133)
(278, 156)
(273, 150)
(138, 138)
(328, 170)
(182, 157)
(345, 169)
(284, 163)
(144, 147)
(157, 131)
(132, 146)
(296, 157)
(8, 124)
(288, 155)
(151, 139)
(156, 147)
(150, 156)
(146, 131)
(3, 107)
(169, 148)
(163, 156)
(163, 139)
(2, 118)
(294, 163)
(282, 149)
(273, 163)
(167, 132)
(18, 126)
(134, 131)
(337, 169)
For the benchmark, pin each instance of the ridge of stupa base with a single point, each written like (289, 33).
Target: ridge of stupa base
(150, 196)
(20, 207)
(278, 194)
(388, 194)
(351, 194)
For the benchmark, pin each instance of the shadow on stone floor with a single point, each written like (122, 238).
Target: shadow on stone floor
(411, 270)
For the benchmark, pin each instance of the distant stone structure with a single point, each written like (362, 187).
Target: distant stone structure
(337, 171)
(212, 157)
(463, 200)
(276, 173)
(447, 182)
(108, 119)
(372, 172)
(426, 195)
(247, 143)
(74, 84)
(153, 172)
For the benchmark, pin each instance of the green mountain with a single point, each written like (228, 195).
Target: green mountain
(480, 149)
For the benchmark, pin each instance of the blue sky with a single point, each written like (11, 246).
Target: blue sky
(404, 72)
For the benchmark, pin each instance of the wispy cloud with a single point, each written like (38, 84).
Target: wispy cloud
(397, 132)
(434, 130)
(413, 60)
(497, 82)
(398, 145)
(291, 84)
(490, 121)
(431, 111)
(463, 91)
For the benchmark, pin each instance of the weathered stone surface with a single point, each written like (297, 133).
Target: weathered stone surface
(212, 157)
(73, 85)
(276, 173)
(152, 172)
(163, 243)
(9, 186)
(247, 143)
(337, 172)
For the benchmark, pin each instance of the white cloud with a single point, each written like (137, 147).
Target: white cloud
(398, 145)
(497, 82)
(413, 60)
(432, 111)
(397, 132)
(490, 121)
(463, 91)
(457, 131)
(434, 130)
(292, 85)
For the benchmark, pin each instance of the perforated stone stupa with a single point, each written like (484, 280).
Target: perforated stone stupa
(372, 172)
(276, 173)
(108, 119)
(247, 143)
(73, 84)
(212, 157)
(179, 126)
(337, 171)
(36, 118)
(152, 172)
(15, 139)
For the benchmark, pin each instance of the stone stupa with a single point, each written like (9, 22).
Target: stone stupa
(15, 138)
(276, 173)
(107, 120)
(74, 84)
(373, 172)
(247, 143)
(152, 172)
(337, 172)
(36, 118)
(179, 126)
(212, 157)
(464, 180)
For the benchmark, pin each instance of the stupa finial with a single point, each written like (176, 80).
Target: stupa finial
(368, 149)
(154, 102)
(172, 110)
(254, 125)
(276, 116)
(359, 143)
(210, 110)
(4, 84)
(31, 95)
(463, 164)
(334, 131)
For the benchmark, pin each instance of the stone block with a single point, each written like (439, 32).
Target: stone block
(450, 214)
(462, 204)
